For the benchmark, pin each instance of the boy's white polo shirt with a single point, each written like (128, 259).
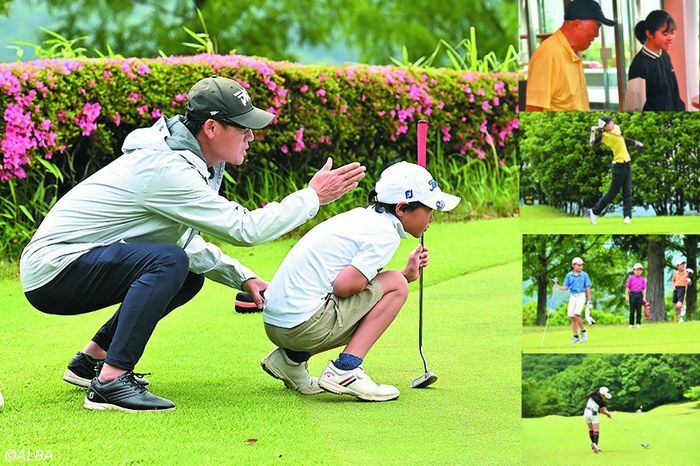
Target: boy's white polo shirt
(360, 237)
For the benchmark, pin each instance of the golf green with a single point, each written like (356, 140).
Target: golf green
(649, 338)
(206, 359)
(545, 219)
(564, 440)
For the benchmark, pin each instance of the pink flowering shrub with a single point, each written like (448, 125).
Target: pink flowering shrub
(84, 108)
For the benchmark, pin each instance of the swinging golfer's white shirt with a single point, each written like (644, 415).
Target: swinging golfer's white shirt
(362, 238)
(590, 414)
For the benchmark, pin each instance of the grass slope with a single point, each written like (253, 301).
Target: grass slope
(206, 358)
(564, 440)
(650, 338)
(545, 219)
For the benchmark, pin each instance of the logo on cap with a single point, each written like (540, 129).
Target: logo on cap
(409, 194)
(242, 96)
(439, 205)
(432, 185)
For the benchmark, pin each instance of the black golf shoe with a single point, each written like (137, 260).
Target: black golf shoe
(124, 393)
(82, 369)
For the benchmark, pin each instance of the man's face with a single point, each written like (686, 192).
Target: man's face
(228, 143)
(586, 32)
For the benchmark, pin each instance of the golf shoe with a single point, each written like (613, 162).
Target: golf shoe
(82, 369)
(295, 375)
(591, 216)
(124, 393)
(355, 382)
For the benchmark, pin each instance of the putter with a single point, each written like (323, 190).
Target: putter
(685, 295)
(549, 312)
(644, 444)
(428, 377)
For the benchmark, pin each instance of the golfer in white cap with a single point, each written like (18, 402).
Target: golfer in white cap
(636, 294)
(331, 290)
(579, 284)
(596, 403)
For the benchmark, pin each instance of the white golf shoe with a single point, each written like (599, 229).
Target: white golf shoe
(631, 326)
(574, 340)
(355, 382)
(627, 221)
(680, 320)
(595, 448)
(295, 375)
(639, 325)
(591, 216)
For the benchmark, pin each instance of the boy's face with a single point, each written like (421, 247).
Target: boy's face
(638, 272)
(681, 267)
(578, 267)
(416, 221)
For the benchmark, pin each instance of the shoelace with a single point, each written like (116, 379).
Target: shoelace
(129, 378)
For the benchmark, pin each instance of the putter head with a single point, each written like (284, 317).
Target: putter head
(645, 445)
(245, 304)
(424, 380)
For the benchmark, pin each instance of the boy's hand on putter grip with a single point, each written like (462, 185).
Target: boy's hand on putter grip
(256, 288)
(417, 260)
(331, 184)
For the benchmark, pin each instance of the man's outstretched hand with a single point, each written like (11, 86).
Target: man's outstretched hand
(332, 184)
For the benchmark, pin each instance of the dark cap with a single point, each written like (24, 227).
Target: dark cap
(223, 99)
(586, 9)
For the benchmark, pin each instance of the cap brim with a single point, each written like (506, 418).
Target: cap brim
(442, 202)
(254, 119)
(608, 396)
(606, 21)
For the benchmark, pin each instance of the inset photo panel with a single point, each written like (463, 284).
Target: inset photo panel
(610, 294)
(610, 173)
(610, 409)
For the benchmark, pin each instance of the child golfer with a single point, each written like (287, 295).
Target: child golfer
(579, 285)
(596, 403)
(652, 84)
(330, 290)
(680, 282)
(610, 134)
(636, 294)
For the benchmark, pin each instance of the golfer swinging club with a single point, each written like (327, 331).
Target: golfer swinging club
(609, 134)
(596, 404)
(128, 234)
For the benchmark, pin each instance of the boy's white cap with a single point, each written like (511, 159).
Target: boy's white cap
(408, 182)
(605, 392)
(576, 260)
(680, 261)
(637, 266)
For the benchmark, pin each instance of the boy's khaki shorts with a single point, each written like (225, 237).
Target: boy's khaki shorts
(331, 326)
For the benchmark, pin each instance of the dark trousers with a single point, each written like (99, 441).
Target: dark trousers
(621, 178)
(149, 280)
(635, 307)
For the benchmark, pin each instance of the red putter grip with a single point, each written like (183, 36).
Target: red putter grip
(422, 141)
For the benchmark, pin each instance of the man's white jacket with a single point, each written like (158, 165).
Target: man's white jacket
(159, 191)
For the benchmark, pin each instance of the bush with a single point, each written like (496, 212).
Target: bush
(76, 113)
(693, 393)
(559, 317)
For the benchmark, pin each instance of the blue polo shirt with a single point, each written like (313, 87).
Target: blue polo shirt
(577, 283)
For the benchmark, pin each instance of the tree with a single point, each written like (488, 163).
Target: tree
(374, 30)
(656, 249)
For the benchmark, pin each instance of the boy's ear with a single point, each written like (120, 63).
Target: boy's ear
(401, 208)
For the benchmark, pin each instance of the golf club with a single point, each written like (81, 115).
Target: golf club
(549, 312)
(428, 377)
(685, 295)
(644, 444)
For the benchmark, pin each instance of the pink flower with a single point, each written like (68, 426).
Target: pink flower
(299, 140)
(134, 97)
(181, 97)
(499, 86)
(143, 68)
(485, 105)
(142, 109)
(284, 149)
(117, 119)
(446, 134)
(87, 117)
(496, 101)
(303, 88)
(321, 92)
(155, 113)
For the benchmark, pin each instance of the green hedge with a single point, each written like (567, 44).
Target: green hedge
(76, 113)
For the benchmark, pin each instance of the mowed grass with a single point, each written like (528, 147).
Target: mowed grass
(545, 219)
(650, 338)
(564, 440)
(206, 358)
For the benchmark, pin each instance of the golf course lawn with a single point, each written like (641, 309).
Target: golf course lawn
(650, 338)
(206, 359)
(668, 430)
(545, 219)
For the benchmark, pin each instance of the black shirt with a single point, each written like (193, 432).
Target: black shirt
(662, 92)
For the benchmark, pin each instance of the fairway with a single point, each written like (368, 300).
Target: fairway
(545, 219)
(564, 440)
(206, 359)
(650, 338)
